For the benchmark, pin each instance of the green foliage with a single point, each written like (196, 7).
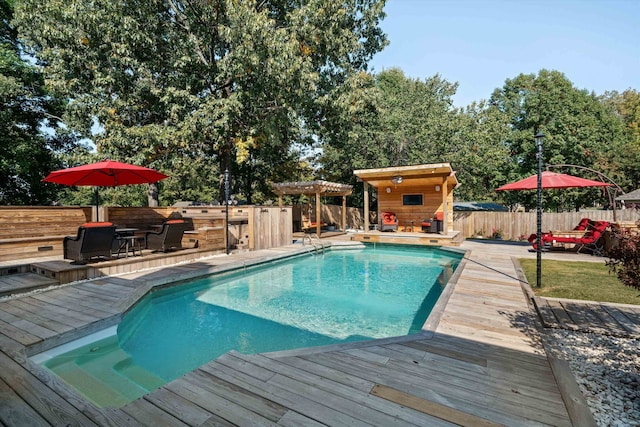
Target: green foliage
(579, 130)
(624, 161)
(392, 120)
(25, 106)
(183, 85)
(624, 258)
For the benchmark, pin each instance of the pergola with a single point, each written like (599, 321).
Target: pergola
(317, 188)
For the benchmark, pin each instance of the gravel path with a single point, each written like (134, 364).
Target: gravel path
(607, 370)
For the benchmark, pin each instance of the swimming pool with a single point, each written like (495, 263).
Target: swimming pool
(341, 296)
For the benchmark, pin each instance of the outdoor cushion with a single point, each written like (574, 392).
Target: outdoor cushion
(389, 221)
(433, 225)
(583, 224)
(96, 224)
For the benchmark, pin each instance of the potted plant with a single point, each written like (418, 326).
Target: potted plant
(496, 234)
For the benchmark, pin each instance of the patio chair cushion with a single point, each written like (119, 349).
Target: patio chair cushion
(389, 221)
(96, 224)
(433, 225)
(583, 224)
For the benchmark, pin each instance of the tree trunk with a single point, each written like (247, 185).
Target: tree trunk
(152, 195)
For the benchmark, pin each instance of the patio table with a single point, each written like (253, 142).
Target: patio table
(128, 241)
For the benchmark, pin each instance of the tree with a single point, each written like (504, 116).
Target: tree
(579, 130)
(26, 152)
(478, 151)
(391, 120)
(625, 158)
(176, 83)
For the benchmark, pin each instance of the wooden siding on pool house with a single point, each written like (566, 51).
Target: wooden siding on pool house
(413, 193)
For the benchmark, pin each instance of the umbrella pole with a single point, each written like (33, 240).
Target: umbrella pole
(95, 190)
(539, 136)
(227, 192)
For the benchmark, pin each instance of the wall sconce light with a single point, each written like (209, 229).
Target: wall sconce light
(437, 188)
(397, 179)
(388, 189)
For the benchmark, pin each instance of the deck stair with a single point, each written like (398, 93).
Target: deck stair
(23, 282)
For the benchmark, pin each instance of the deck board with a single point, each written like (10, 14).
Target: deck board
(327, 390)
(17, 412)
(180, 407)
(586, 316)
(20, 282)
(49, 405)
(432, 408)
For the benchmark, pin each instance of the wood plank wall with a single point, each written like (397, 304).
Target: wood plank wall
(140, 217)
(431, 203)
(518, 225)
(35, 221)
(330, 214)
(270, 227)
(32, 231)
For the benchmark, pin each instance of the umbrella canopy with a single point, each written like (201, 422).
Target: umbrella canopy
(552, 180)
(107, 173)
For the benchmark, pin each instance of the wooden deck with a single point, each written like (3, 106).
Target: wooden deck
(620, 320)
(478, 362)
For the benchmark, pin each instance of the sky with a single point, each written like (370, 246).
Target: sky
(481, 43)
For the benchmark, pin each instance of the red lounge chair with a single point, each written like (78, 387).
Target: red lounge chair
(389, 221)
(582, 225)
(592, 239)
(433, 225)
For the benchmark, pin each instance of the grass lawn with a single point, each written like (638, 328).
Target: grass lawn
(579, 280)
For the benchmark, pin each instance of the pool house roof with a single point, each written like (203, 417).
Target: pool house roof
(416, 175)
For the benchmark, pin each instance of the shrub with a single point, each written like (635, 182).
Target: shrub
(625, 257)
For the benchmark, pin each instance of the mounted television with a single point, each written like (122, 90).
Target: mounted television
(412, 199)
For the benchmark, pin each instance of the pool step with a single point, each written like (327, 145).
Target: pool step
(109, 380)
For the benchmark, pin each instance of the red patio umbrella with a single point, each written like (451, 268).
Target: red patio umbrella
(552, 180)
(107, 173)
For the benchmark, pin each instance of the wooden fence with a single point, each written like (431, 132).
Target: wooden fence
(33, 231)
(269, 227)
(331, 214)
(519, 225)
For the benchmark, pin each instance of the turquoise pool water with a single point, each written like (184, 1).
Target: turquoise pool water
(341, 296)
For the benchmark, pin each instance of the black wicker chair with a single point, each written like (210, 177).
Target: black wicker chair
(94, 239)
(168, 237)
